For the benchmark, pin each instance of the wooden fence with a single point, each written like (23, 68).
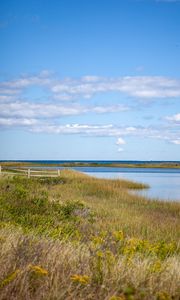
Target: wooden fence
(38, 172)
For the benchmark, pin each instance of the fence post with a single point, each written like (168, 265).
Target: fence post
(0, 170)
(58, 172)
(29, 173)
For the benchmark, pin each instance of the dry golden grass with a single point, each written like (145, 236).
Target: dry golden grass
(81, 238)
(45, 269)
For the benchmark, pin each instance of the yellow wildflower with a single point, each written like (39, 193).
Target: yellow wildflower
(156, 267)
(118, 235)
(9, 278)
(82, 279)
(38, 270)
(99, 253)
(97, 240)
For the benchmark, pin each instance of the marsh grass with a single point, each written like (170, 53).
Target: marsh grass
(77, 237)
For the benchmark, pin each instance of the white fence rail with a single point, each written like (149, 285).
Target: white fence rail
(29, 172)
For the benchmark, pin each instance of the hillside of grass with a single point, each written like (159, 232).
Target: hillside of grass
(78, 237)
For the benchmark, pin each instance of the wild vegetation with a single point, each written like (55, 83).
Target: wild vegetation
(77, 237)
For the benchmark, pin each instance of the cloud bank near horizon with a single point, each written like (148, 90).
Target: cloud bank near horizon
(62, 99)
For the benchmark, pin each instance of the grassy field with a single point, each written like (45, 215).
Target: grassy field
(76, 237)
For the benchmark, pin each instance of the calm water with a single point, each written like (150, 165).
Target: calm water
(164, 183)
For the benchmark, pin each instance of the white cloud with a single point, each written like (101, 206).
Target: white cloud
(52, 110)
(176, 142)
(38, 110)
(109, 109)
(11, 122)
(95, 130)
(131, 129)
(91, 78)
(41, 79)
(84, 129)
(43, 116)
(5, 98)
(34, 124)
(142, 87)
(110, 130)
(175, 118)
(120, 141)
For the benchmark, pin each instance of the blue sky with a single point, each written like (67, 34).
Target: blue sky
(84, 79)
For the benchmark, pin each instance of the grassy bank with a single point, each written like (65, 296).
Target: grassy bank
(77, 237)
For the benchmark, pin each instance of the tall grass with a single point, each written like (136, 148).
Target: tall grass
(77, 237)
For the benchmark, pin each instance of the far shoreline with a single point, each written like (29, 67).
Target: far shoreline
(112, 164)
